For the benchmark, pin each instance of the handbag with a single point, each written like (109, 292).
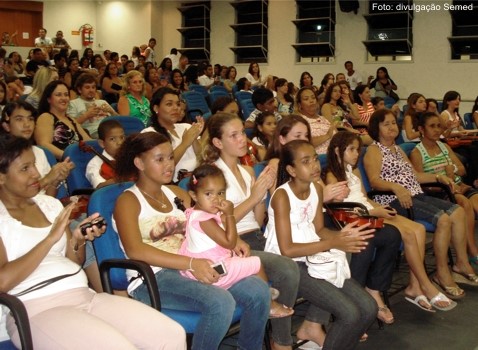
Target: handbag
(394, 95)
(330, 265)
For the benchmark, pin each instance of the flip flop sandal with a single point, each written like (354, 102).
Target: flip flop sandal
(416, 301)
(454, 293)
(440, 297)
(280, 311)
(470, 279)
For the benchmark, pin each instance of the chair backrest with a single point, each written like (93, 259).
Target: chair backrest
(196, 105)
(235, 89)
(407, 147)
(130, 125)
(214, 95)
(323, 161)
(77, 179)
(199, 89)
(389, 102)
(243, 95)
(363, 173)
(184, 183)
(218, 88)
(247, 107)
(468, 120)
(107, 246)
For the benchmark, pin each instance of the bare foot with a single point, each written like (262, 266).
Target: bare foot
(311, 331)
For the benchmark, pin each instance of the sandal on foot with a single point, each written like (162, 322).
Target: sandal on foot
(465, 278)
(385, 315)
(440, 297)
(309, 345)
(419, 301)
(280, 310)
(363, 338)
(454, 293)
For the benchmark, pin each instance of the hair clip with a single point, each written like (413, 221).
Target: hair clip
(195, 181)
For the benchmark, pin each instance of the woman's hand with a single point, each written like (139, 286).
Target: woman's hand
(91, 232)
(352, 238)
(404, 196)
(383, 212)
(445, 180)
(202, 270)
(194, 131)
(61, 223)
(242, 249)
(60, 171)
(336, 192)
(265, 181)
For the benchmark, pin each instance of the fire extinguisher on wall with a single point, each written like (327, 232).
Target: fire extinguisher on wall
(86, 34)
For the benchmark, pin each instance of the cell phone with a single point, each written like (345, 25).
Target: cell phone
(98, 222)
(220, 268)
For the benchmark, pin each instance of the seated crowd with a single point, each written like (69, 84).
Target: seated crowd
(269, 230)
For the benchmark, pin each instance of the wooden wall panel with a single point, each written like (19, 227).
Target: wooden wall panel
(27, 17)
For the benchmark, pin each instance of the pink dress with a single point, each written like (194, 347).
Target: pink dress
(199, 245)
(319, 126)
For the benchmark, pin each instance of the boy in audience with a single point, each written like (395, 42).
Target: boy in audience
(264, 101)
(86, 109)
(110, 137)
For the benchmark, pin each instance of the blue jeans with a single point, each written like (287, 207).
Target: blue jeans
(353, 308)
(216, 306)
(283, 275)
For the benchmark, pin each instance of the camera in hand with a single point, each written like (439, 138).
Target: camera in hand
(98, 222)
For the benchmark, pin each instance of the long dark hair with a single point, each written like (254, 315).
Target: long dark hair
(335, 162)
(328, 94)
(261, 118)
(132, 147)
(450, 96)
(155, 101)
(44, 105)
(287, 157)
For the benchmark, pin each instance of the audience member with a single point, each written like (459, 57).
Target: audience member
(263, 100)
(284, 100)
(149, 53)
(111, 83)
(152, 205)
(174, 57)
(206, 79)
(37, 61)
(86, 109)
(306, 80)
(55, 130)
(59, 41)
(133, 101)
(49, 249)
(230, 78)
(164, 71)
(177, 81)
(42, 40)
(416, 105)
(383, 85)
(41, 79)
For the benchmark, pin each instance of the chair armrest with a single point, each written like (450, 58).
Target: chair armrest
(442, 187)
(141, 267)
(80, 191)
(20, 315)
(371, 194)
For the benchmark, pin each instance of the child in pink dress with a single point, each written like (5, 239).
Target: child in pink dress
(211, 233)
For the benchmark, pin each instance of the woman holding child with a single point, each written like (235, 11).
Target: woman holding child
(150, 221)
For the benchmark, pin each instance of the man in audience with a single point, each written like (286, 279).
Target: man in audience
(353, 77)
(60, 65)
(183, 63)
(59, 41)
(86, 109)
(207, 80)
(37, 61)
(149, 53)
(264, 101)
(43, 40)
(340, 77)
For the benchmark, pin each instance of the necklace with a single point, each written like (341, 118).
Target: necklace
(163, 205)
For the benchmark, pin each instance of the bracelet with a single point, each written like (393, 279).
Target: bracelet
(191, 265)
(61, 183)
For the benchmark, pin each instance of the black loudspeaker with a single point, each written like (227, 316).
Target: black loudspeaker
(349, 5)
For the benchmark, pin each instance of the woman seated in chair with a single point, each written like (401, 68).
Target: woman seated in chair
(389, 169)
(165, 117)
(433, 156)
(37, 248)
(55, 130)
(342, 159)
(150, 221)
(18, 119)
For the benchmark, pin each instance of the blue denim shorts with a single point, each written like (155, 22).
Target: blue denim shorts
(427, 208)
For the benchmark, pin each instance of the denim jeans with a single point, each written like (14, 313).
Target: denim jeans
(283, 275)
(373, 266)
(216, 306)
(353, 308)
